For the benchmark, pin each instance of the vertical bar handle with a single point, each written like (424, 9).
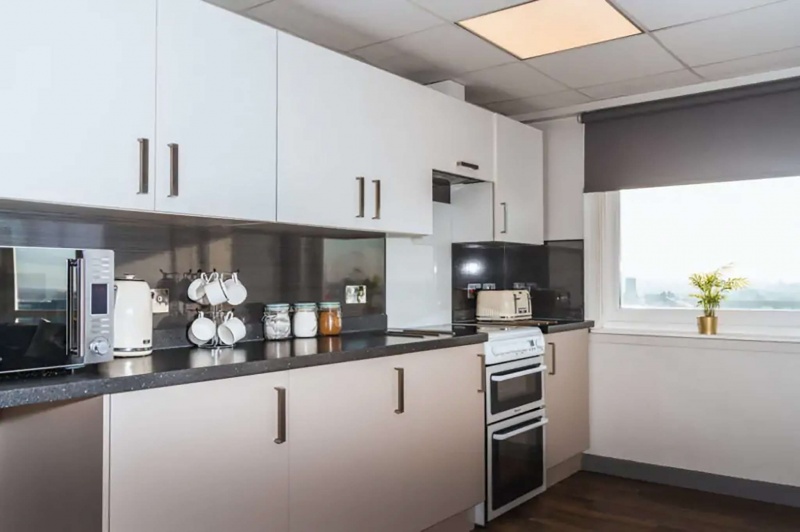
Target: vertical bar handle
(482, 389)
(173, 170)
(360, 197)
(553, 365)
(144, 166)
(377, 183)
(72, 333)
(505, 218)
(281, 415)
(401, 391)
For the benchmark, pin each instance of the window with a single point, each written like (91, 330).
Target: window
(668, 233)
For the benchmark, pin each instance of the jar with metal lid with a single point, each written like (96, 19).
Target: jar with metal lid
(330, 318)
(277, 323)
(304, 322)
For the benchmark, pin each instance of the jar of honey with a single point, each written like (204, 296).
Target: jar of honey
(330, 318)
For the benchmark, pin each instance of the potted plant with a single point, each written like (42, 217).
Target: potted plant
(713, 288)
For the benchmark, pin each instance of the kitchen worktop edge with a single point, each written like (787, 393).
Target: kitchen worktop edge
(95, 380)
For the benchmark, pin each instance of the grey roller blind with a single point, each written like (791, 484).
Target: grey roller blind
(748, 132)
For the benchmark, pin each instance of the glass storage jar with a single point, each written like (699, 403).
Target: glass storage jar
(330, 318)
(304, 322)
(277, 323)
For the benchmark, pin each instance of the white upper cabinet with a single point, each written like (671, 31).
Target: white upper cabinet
(351, 145)
(464, 137)
(216, 126)
(76, 94)
(510, 209)
(519, 183)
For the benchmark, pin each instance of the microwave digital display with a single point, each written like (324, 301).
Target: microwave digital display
(99, 304)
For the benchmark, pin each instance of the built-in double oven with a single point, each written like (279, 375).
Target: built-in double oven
(515, 421)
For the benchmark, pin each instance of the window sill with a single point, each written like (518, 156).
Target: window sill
(790, 336)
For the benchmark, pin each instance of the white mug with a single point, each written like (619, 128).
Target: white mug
(202, 330)
(196, 290)
(236, 291)
(231, 330)
(215, 290)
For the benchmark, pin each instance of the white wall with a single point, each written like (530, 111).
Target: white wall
(718, 406)
(563, 178)
(419, 275)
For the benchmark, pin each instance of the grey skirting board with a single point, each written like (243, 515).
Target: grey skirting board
(170, 367)
(684, 478)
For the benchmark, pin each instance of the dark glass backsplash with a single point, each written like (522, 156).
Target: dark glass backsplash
(553, 273)
(276, 263)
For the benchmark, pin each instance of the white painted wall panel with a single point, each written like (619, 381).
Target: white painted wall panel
(722, 407)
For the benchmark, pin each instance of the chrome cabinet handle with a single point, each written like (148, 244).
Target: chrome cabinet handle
(173, 170)
(377, 183)
(144, 166)
(360, 197)
(401, 391)
(281, 415)
(551, 344)
(471, 166)
(482, 389)
(505, 218)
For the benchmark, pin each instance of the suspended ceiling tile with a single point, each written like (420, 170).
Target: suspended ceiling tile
(656, 14)
(608, 62)
(765, 29)
(538, 103)
(455, 10)
(507, 82)
(667, 80)
(751, 65)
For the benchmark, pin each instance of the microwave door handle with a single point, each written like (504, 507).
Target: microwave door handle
(69, 319)
(526, 428)
(501, 378)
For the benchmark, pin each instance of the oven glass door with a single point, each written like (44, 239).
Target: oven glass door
(516, 468)
(514, 388)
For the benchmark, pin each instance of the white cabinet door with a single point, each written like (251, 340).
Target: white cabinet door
(519, 183)
(465, 137)
(345, 129)
(199, 457)
(217, 108)
(76, 92)
(445, 440)
(567, 389)
(348, 467)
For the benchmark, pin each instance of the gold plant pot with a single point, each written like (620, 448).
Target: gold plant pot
(707, 324)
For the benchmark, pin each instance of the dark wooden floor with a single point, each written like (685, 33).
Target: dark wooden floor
(588, 501)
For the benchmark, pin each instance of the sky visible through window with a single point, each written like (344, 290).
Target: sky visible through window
(668, 233)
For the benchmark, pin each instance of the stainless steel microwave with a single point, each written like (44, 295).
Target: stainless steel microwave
(56, 307)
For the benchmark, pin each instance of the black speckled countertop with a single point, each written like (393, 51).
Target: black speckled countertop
(171, 367)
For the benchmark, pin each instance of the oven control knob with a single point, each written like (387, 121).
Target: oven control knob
(99, 346)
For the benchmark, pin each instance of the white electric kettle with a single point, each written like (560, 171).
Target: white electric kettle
(133, 317)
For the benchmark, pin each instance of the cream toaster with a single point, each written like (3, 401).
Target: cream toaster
(503, 305)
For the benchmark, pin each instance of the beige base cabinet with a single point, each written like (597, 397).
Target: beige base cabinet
(389, 444)
(199, 457)
(567, 389)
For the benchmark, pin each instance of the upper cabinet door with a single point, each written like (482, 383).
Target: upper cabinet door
(519, 182)
(349, 151)
(76, 94)
(465, 137)
(216, 113)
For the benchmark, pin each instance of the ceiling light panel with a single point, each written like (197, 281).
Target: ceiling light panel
(547, 26)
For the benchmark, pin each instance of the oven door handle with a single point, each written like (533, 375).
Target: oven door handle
(501, 378)
(526, 428)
